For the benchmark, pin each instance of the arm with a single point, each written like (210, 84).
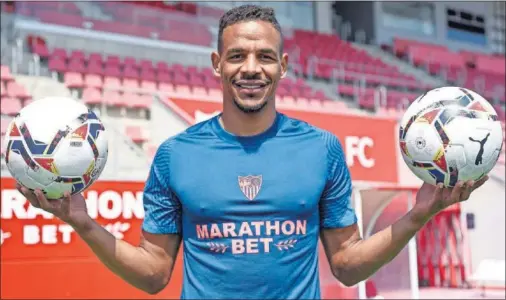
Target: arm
(147, 266)
(353, 259)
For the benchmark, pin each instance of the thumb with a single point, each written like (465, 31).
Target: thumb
(65, 205)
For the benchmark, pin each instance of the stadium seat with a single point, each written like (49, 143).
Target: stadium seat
(4, 124)
(73, 80)
(5, 73)
(112, 82)
(16, 90)
(166, 87)
(113, 98)
(135, 133)
(57, 64)
(148, 86)
(96, 57)
(93, 81)
(92, 96)
(3, 89)
(131, 85)
(10, 106)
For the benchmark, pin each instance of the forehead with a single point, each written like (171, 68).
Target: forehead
(250, 34)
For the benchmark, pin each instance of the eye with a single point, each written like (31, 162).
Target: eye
(235, 56)
(266, 57)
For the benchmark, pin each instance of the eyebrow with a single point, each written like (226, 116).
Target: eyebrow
(239, 50)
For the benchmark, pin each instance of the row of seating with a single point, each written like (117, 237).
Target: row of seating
(477, 71)
(321, 54)
(422, 52)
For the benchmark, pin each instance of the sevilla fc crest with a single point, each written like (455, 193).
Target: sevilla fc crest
(250, 185)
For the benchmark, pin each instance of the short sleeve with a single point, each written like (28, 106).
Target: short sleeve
(336, 209)
(162, 209)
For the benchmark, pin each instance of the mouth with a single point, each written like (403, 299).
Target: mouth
(250, 86)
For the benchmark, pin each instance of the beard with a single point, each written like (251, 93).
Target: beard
(250, 109)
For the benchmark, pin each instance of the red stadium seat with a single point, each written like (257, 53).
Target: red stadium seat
(16, 90)
(3, 89)
(113, 60)
(95, 57)
(111, 82)
(57, 64)
(148, 86)
(131, 85)
(60, 53)
(10, 106)
(77, 55)
(112, 70)
(146, 65)
(93, 81)
(4, 124)
(135, 133)
(165, 87)
(5, 73)
(41, 50)
(130, 72)
(73, 80)
(148, 74)
(92, 96)
(113, 98)
(95, 67)
(164, 76)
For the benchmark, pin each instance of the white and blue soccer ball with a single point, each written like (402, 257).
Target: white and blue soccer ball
(56, 144)
(450, 134)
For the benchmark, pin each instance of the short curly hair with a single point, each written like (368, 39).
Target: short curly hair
(246, 13)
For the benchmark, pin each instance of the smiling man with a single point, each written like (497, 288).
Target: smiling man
(249, 192)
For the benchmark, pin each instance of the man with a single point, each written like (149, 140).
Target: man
(249, 192)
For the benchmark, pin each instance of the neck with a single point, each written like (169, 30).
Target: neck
(239, 123)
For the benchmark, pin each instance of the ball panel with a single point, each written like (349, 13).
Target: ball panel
(57, 113)
(422, 142)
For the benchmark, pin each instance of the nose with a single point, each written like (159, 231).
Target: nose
(251, 67)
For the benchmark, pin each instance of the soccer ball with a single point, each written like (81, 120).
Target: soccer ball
(450, 134)
(56, 144)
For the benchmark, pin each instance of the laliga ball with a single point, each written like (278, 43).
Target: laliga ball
(56, 144)
(450, 134)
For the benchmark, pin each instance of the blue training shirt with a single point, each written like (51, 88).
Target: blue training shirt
(249, 209)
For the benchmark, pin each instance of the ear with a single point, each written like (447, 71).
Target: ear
(284, 65)
(215, 60)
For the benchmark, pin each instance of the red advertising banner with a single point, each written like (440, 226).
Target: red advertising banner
(369, 143)
(41, 257)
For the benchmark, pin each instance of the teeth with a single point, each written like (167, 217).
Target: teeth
(250, 86)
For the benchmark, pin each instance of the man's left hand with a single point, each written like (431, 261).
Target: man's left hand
(431, 199)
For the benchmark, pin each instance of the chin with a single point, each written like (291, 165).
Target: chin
(248, 108)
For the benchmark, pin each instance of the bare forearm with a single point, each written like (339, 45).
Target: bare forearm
(131, 263)
(364, 257)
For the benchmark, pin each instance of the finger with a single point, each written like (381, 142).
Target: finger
(466, 190)
(438, 192)
(456, 191)
(65, 204)
(480, 182)
(30, 196)
(44, 203)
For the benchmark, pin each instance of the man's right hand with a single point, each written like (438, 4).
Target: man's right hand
(71, 209)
